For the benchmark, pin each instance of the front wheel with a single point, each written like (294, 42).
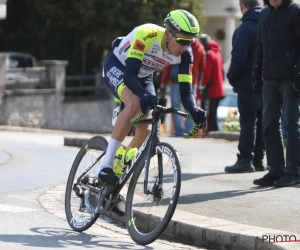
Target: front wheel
(80, 208)
(147, 215)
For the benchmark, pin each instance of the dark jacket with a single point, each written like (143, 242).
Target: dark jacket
(277, 55)
(243, 50)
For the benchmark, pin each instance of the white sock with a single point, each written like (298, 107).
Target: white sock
(109, 157)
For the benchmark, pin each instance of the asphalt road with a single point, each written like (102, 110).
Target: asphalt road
(33, 170)
(226, 208)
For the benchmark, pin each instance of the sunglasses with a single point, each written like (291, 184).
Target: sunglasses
(184, 41)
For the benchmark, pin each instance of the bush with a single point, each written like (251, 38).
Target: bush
(232, 122)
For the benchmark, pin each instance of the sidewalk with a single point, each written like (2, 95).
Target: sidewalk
(219, 210)
(245, 205)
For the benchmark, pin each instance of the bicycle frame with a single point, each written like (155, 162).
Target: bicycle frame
(149, 143)
(143, 155)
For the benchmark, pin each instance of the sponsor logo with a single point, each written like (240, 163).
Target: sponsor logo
(175, 24)
(139, 45)
(114, 74)
(161, 60)
(151, 35)
(167, 151)
(136, 54)
(124, 47)
(154, 63)
(150, 68)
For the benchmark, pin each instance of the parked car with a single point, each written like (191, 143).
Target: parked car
(227, 111)
(19, 60)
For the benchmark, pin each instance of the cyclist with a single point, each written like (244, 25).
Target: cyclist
(128, 73)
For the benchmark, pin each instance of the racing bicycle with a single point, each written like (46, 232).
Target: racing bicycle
(154, 177)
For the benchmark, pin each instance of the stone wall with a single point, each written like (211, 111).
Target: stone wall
(47, 109)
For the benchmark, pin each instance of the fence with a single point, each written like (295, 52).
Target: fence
(51, 75)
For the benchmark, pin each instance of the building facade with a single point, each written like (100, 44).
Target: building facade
(223, 17)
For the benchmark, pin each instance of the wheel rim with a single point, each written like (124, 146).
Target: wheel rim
(79, 217)
(151, 213)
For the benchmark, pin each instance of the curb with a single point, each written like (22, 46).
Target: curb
(204, 231)
(75, 142)
(230, 136)
(212, 233)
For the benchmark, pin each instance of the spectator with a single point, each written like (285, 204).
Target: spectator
(171, 72)
(162, 100)
(277, 75)
(212, 86)
(251, 143)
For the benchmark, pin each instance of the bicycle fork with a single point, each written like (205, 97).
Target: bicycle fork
(152, 141)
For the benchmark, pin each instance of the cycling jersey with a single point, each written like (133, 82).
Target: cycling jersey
(144, 43)
(140, 53)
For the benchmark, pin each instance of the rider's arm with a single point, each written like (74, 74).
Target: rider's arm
(130, 76)
(134, 60)
(185, 82)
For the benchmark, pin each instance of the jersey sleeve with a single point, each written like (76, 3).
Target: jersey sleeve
(138, 43)
(185, 70)
(185, 80)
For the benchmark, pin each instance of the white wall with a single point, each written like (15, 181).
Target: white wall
(223, 15)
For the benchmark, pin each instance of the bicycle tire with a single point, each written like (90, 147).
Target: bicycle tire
(78, 220)
(143, 226)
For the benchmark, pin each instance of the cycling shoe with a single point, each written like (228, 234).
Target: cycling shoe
(107, 175)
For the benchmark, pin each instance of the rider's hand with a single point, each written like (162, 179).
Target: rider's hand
(147, 102)
(199, 116)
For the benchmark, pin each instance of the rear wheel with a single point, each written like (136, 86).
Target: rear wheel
(81, 204)
(147, 215)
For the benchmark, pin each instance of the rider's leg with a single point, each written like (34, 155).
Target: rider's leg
(141, 132)
(113, 70)
(122, 127)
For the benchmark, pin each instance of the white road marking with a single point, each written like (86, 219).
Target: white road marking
(15, 209)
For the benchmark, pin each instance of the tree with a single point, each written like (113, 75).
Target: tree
(80, 31)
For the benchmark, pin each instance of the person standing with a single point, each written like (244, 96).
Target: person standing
(276, 74)
(212, 83)
(251, 144)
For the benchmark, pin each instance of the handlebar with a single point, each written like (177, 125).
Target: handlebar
(160, 110)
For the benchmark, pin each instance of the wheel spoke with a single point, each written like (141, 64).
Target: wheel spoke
(153, 211)
(81, 204)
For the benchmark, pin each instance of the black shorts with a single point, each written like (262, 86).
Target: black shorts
(113, 74)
